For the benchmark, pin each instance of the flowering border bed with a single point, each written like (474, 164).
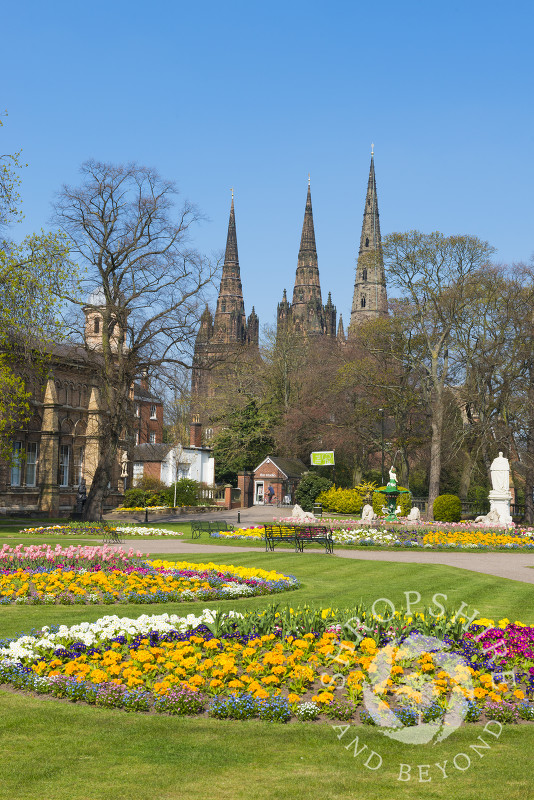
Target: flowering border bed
(38, 574)
(264, 664)
(97, 529)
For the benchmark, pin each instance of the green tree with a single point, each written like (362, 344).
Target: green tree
(34, 275)
(244, 441)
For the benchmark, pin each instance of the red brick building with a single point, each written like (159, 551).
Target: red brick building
(283, 474)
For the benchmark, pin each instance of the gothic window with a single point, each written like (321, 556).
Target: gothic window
(96, 325)
(363, 302)
(364, 275)
(367, 241)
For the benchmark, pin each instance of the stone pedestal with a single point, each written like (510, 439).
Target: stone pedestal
(500, 502)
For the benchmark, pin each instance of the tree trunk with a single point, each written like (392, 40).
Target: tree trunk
(435, 449)
(465, 476)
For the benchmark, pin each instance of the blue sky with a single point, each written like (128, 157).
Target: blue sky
(255, 96)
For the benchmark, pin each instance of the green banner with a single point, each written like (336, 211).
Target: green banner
(323, 458)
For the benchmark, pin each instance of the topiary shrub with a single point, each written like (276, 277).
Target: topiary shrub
(380, 500)
(342, 501)
(447, 508)
(309, 489)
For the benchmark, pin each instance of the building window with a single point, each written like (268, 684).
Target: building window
(153, 414)
(16, 464)
(138, 470)
(363, 302)
(31, 464)
(367, 242)
(364, 275)
(137, 410)
(208, 434)
(96, 325)
(152, 438)
(78, 465)
(137, 437)
(64, 461)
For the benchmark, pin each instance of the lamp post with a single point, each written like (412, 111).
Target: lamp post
(382, 412)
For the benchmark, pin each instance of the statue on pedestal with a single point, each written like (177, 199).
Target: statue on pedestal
(81, 496)
(500, 474)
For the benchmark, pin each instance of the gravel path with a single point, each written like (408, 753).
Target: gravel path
(503, 565)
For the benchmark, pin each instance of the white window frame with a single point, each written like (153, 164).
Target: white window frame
(64, 464)
(32, 451)
(153, 411)
(152, 437)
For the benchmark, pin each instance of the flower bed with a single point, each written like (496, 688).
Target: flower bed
(479, 540)
(269, 664)
(94, 575)
(254, 533)
(97, 529)
(469, 540)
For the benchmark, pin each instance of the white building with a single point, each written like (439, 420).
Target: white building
(169, 463)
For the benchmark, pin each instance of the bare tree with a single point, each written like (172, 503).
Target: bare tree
(438, 279)
(147, 284)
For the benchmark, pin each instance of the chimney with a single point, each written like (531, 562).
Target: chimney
(195, 432)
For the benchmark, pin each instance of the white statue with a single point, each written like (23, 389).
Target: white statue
(414, 515)
(500, 474)
(124, 464)
(303, 516)
(368, 515)
(490, 520)
(392, 478)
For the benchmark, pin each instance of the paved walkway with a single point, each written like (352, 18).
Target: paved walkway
(503, 565)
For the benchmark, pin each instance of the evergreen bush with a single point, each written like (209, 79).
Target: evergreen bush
(447, 508)
(310, 487)
(187, 493)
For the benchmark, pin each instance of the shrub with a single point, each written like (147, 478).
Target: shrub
(342, 501)
(403, 500)
(447, 508)
(309, 489)
(187, 493)
(134, 498)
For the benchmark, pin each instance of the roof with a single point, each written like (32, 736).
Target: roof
(144, 394)
(291, 467)
(151, 452)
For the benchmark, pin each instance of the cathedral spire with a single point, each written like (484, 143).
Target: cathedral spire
(370, 298)
(229, 323)
(306, 309)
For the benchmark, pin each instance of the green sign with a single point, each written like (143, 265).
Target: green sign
(323, 458)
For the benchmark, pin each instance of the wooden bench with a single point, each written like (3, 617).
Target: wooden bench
(216, 525)
(299, 535)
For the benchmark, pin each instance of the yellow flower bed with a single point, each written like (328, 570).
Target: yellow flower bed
(467, 538)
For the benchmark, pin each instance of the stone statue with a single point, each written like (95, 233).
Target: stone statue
(124, 464)
(368, 515)
(302, 516)
(81, 496)
(414, 515)
(490, 520)
(500, 474)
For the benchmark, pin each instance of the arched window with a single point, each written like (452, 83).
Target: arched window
(368, 202)
(364, 275)
(367, 242)
(363, 302)
(97, 325)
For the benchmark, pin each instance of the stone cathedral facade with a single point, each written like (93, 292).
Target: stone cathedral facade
(229, 333)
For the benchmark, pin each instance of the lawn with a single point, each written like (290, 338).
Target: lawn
(55, 750)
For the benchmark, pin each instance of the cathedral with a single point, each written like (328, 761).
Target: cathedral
(230, 334)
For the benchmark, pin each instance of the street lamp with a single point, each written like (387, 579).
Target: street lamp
(381, 410)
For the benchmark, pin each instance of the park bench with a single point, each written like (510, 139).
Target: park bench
(112, 536)
(200, 526)
(299, 535)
